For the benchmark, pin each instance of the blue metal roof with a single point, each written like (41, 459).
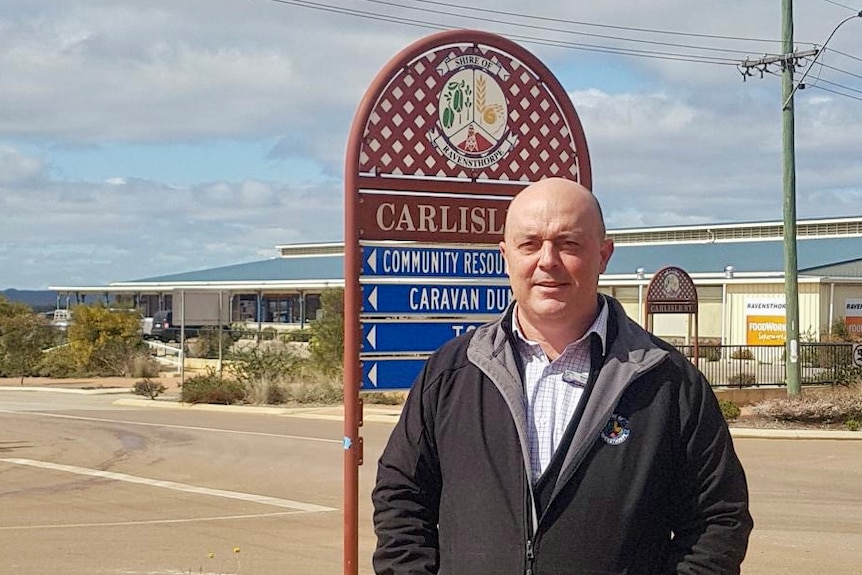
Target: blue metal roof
(274, 269)
(754, 256)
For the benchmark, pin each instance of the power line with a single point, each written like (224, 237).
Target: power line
(842, 5)
(614, 50)
(593, 24)
(845, 54)
(837, 93)
(559, 30)
(823, 81)
(840, 70)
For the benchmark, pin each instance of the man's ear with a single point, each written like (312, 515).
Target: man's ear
(607, 250)
(502, 246)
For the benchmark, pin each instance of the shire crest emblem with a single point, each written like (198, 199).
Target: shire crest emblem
(472, 123)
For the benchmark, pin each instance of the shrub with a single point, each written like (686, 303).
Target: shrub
(297, 335)
(742, 353)
(385, 398)
(149, 388)
(206, 344)
(710, 353)
(852, 424)
(327, 333)
(104, 341)
(60, 362)
(212, 388)
(820, 408)
(729, 410)
(742, 380)
(144, 366)
(315, 387)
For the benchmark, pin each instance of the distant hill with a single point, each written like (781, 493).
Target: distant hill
(39, 300)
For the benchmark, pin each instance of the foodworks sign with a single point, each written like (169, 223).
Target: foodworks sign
(765, 321)
(853, 316)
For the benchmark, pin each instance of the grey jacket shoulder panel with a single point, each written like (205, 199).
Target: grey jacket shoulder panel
(491, 352)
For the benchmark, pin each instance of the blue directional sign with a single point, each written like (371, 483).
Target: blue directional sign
(434, 300)
(418, 337)
(391, 374)
(433, 262)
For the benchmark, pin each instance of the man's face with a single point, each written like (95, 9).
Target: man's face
(555, 249)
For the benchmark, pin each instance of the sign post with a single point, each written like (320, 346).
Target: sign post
(671, 290)
(448, 132)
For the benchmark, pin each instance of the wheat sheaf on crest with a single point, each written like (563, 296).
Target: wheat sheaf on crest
(489, 113)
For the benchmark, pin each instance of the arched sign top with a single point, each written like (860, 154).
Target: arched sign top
(671, 290)
(468, 105)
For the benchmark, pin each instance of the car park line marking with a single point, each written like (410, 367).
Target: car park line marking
(147, 521)
(250, 497)
(174, 426)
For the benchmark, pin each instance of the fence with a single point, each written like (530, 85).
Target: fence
(756, 365)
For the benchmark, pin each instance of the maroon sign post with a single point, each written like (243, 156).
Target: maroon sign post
(448, 132)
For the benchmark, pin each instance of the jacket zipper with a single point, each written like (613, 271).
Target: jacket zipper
(530, 557)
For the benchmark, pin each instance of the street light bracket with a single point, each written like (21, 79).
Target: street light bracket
(817, 55)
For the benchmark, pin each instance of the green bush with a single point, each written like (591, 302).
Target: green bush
(853, 424)
(212, 388)
(729, 410)
(60, 363)
(149, 388)
(742, 380)
(327, 333)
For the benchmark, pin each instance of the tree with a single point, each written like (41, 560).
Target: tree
(23, 336)
(327, 332)
(104, 341)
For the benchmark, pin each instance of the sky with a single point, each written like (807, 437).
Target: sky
(146, 138)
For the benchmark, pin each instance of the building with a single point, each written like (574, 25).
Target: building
(737, 269)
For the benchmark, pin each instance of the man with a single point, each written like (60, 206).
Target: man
(562, 438)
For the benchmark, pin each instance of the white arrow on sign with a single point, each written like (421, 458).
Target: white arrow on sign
(372, 336)
(372, 375)
(372, 297)
(372, 260)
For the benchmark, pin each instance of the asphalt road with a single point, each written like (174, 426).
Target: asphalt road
(91, 487)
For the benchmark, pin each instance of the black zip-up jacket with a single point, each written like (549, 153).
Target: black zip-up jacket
(650, 483)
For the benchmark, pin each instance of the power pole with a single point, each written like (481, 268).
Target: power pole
(788, 61)
(791, 279)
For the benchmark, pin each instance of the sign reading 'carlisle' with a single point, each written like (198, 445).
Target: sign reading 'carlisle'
(448, 132)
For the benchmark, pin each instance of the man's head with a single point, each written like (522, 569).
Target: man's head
(555, 248)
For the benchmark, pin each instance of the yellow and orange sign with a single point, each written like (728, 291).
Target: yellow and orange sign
(765, 321)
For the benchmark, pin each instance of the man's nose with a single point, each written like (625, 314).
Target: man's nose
(549, 256)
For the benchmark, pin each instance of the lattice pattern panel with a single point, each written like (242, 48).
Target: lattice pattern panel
(399, 136)
(671, 284)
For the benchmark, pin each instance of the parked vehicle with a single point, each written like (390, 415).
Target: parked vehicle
(163, 327)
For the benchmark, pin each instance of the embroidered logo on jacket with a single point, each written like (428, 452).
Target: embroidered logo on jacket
(616, 430)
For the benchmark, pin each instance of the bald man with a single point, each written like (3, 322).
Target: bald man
(561, 438)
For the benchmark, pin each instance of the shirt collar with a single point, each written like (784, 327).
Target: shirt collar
(599, 326)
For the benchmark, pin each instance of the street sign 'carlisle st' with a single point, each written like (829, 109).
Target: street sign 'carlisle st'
(434, 300)
(450, 262)
(411, 337)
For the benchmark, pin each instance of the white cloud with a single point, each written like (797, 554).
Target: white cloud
(670, 142)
